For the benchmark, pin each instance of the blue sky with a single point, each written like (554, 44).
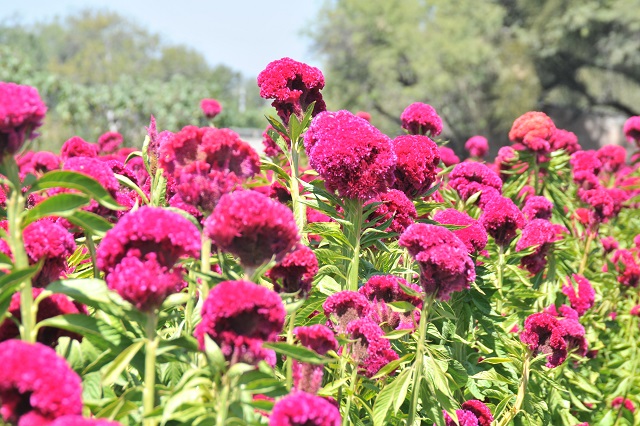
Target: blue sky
(243, 34)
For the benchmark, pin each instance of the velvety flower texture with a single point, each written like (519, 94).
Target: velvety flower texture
(383, 289)
(98, 170)
(631, 129)
(343, 307)
(40, 390)
(471, 413)
(470, 177)
(78, 147)
(319, 338)
(448, 156)
(537, 207)
(253, 227)
(51, 242)
(583, 297)
(473, 235)
(586, 166)
(534, 130)
(477, 146)
(600, 201)
(210, 107)
(544, 334)
(81, 421)
(370, 349)
(421, 119)
(627, 268)
(501, 218)
(303, 409)
(540, 233)
(396, 205)
(239, 316)
(417, 160)
(445, 265)
(613, 157)
(293, 86)
(353, 157)
(139, 255)
(39, 162)
(564, 139)
(21, 113)
(109, 142)
(295, 271)
(609, 244)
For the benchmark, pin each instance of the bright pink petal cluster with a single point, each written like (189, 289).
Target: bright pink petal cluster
(586, 166)
(210, 107)
(109, 142)
(470, 177)
(541, 234)
(471, 413)
(421, 119)
(319, 338)
(343, 307)
(564, 139)
(583, 297)
(383, 289)
(627, 267)
(370, 349)
(537, 207)
(473, 235)
(619, 401)
(51, 243)
(501, 218)
(295, 272)
(613, 157)
(394, 205)
(21, 113)
(78, 147)
(544, 334)
(477, 146)
(417, 160)
(304, 409)
(534, 130)
(81, 421)
(448, 156)
(631, 129)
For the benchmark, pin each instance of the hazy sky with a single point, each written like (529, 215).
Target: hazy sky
(243, 34)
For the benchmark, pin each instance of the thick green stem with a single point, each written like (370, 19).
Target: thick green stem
(536, 176)
(417, 367)
(299, 208)
(585, 254)
(522, 391)
(352, 390)
(289, 361)
(149, 392)
(500, 277)
(92, 252)
(354, 215)
(223, 407)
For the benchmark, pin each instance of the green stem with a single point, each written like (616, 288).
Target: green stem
(151, 345)
(536, 173)
(522, 391)
(585, 254)
(500, 277)
(299, 208)
(352, 390)
(354, 215)
(292, 324)
(417, 367)
(92, 252)
(223, 407)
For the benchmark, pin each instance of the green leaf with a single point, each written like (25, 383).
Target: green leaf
(299, 353)
(83, 325)
(401, 306)
(10, 282)
(62, 205)
(90, 291)
(391, 367)
(113, 370)
(90, 222)
(388, 396)
(130, 184)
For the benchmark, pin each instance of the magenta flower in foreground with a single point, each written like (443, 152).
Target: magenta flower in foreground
(473, 235)
(471, 413)
(370, 349)
(295, 271)
(417, 160)
(51, 243)
(36, 385)
(445, 264)
(239, 316)
(478, 146)
(293, 86)
(470, 177)
(395, 205)
(303, 409)
(21, 113)
(501, 218)
(210, 107)
(253, 227)
(421, 119)
(544, 334)
(583, 297)
(564, 139)
(353, 157)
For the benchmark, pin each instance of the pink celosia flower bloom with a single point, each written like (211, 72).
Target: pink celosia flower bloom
(542, 234)
(472, 413)
(36, 385)
(293, 86)
(395, 205)
(319, 338)
(564, 139)
(631, 129)
(253, 227)
(619, 401)
(239, 316)
(39, 162)
(537, 207)
(421, 119)
(501, 218)
(627, 268)
(353, 157)
(470, 177)
(445, 265)
(81, 421)
(210, 108)
(474, 236)
(609, 244)
(534, 130)
(586, 166)
(448, 156)
(98, 170)
(303, 409)
(295, 271)
(364, 115)
(600, 201)
(370, 349)
(477, 146)
(78, 147)
(51, 242)
(21, 113)
(109, 142)
(612, 157)
(417, 160)
(383, 289)
(635, 311)
(544, 334)
(343, 307)
(581, 300)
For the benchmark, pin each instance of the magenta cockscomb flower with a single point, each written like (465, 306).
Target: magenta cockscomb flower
(21, 113)
(471, 177)
(293, 86)
(109, 142)
(541, 234)
(586, 165)
(501, 218)
(239, 316)
(210, 108)
(564, 139)
(51, 243)
(92, 167)
(396, 206)
(303, 409)
(364, 115)
(78, 147)
(253, 227)
(471, 413)
(271, 148)
(140, 253)
(319, 338)
(421, 119)
(201, 187)
(36, 385)
(474, 236)
(353, 157)
(613, 157)
(620, 401)
(370, 349)
(477, 146)
(384, 289)
(631, 129)
(534, 130)
(602, 205)
(295, 272)
(448, 156)
(537, 207)
(544, 334)
(343, 307)
(81, 421)
(417, 160)
(627, 267)
(582, 297)
(39, 162)
(49, 307)
(445, 264)
(609, 244)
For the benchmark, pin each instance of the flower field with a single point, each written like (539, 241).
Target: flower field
(341, 277)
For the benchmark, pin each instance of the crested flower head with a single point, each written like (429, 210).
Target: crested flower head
(477, 146)
(317, 337)
(564, 139)
(81, 421)
(304, 409)
(448, 156)
(473, 235)
(537, 207)
(582, 297)
(210, 107)
(471, 413)
(21, 113)
(601, 202)
(586, 165)
(394, 205)
(295, 271)
(253, 227)
(109, 142)
(293, 86)
(627, 267)
(353, 157)
(417, 160)
(370, 349)
(344, 307)
(364, 115)
(384, 289)
(78, 147)
(544, 334)
(40, 390)
(612, 157)
(534, 130)
(631, 129)
(538, 233)
(421, 119)
(50, 242)
(445, 265)
(501, 218)
(471, 177)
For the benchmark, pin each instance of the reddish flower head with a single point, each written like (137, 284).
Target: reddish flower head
(478, 146)
(239, 316)
(534, 130)
(210, 108)
(36, 385)
(271, 148)
(619, 401)
(109, 142)
(383, 289)
(501, 218)
(586, 166)
(421, 119)
(583, 297)
(612, 157)
(253, 227)
(370, 349)
(471, 413)
(541, 234)
(51, 242)
(470, 177)
(319, 338)
(417, 160)
(448, 156)
(627, 268)
(537, 207)
(295, 271)
(303, 409)
(544, 334)
(364, 115)
(444, 261)
(474, 236)
(396, 205)
(78, 147)
(600, 201)
(344, 307)
(631, 129)
(564, 139)
(293, 86)
(21, 113)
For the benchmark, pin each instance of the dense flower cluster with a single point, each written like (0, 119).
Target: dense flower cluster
(537, 207)
(477, 146)
(21, 113)
(345, 307)
(585, 166)
(421, 119)
(295, 271)
(417, 160)
(370, 349)
(631, 129)
(612, 157)
(627, 267)
(383, 289)
(353, 157)
(51, 243)
(620, 401)
(544, 334)
(319, 338)
(448, 156)
(473, 235)
(109, 142)
(564, 139)
(210, 107)
(78, 147)
(534, 130)
(81, 421)
(303, 409)
(538, 233)
(469, 178)
(396, 206)
(501, 218)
